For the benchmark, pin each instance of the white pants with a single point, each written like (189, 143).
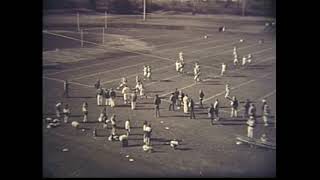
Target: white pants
(197, 77)
(250, 132)
(235, 62)
(222, 72)
(243, 62)
(58, 114)
(185, 107)
(265, 119)
(108, 102)
(234, 112)
(99, 100)
(85, 118)
(66, 118)
(227, 94)
(133, 105)
(141, 91)
(125, 98)
(148, 75)
(112, 102)
(101, 118)
(181, 69)
(113, 131)
(128, 131)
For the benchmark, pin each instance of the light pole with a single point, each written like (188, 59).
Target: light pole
(144, 10)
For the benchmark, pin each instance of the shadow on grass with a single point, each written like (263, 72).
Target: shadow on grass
(145, 103)
(136, 134)
(143, 108)
(123, 105)
(154, 91)
(85, 97)
(76, 115)
(183, 149)
(176, 116)
(236, 76)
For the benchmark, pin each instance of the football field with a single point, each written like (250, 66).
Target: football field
(121, 51)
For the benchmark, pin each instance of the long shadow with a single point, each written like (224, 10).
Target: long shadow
(144, 109)
(183, 149)
(223, 107)
(157, 151)
(136, 127)
(145, 103)
(160, 144)
(202, 113)
(159, 140)
(154, 91)
(165, 80)
(236, 76)
(135, 134)
(90, 122)
(76, 115)
(135, 145)
(176, 116)
(85, 97)
(259, 66)
(123, 105)
(135, 139)
(212, 83)
(227, 124)
(85, 128)
(212, 78)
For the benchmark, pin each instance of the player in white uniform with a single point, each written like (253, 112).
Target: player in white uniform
(196, 72)
(140, 89)
(58, 109)
(85, 111)
(103, 115)
(223, 69)
(235, 50)
(148, 72)
(251, 124)
(244, 60)
(266, 114)
(216, 110)
(100, 96)
(235, 60)
(185, 104)
(227, 90)
(125, 92)
(137, 79)
(145, 72)
(127, 126)
(178, 66)
(249, 58)
(181, 56)
(66, 112)
(181, 66)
